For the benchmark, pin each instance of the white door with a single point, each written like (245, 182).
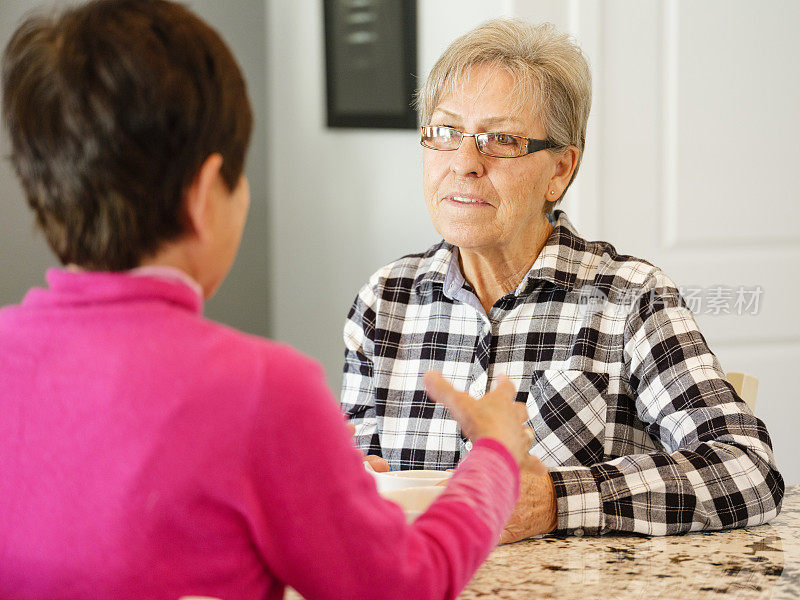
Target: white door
(691, 162)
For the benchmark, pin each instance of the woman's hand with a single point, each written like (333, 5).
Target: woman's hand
(377, 463)
(496, 416)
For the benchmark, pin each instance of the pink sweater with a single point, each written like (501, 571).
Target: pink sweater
(146, 452)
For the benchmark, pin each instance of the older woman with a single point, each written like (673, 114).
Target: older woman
(146, 452)
(631, 410)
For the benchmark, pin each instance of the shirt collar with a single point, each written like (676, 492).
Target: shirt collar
(169, 274)
(562, 261)
(435, 265)
(71, 287)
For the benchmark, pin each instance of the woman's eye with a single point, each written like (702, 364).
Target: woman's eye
(504, 138)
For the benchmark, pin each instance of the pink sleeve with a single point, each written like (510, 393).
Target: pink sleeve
(321, 526)
(482, 481)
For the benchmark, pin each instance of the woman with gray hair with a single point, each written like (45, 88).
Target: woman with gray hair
(631, 410)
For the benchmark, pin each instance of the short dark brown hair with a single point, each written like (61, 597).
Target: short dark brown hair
(112, 107)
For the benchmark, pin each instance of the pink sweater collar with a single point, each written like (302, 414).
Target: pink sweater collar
(102, 287)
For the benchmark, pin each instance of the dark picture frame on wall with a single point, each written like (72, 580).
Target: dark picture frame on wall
(371, 63)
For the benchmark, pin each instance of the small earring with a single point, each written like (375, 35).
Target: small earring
(552, 192)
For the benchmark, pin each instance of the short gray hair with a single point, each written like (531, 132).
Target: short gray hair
(549, 69)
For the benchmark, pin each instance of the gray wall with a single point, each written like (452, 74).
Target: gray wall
(243, 300)
(24, 255)
(351, 200)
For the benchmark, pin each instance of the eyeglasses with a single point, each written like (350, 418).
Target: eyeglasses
(500, 145)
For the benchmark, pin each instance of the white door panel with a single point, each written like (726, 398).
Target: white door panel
(737, 131)
(692, 154)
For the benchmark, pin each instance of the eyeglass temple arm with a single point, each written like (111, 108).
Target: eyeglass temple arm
(536, 145)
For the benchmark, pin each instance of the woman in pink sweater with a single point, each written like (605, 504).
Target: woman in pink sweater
(146, 452)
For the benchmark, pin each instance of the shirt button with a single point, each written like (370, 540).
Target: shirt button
(578, 532)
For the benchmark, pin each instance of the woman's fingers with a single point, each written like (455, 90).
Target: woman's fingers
(439, 388)
(497, 415)
(505, 386)
(443, 392)
(378, 464)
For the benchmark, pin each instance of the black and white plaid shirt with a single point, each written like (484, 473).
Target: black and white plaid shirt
(631, 410)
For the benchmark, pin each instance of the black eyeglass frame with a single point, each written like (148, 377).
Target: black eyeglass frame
(532, 145)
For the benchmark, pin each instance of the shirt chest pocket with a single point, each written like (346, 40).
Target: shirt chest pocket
(567, 410)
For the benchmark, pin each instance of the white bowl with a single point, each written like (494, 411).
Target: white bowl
(414, 501)
(398, 480)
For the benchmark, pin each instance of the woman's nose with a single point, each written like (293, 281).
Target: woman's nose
(468, 160)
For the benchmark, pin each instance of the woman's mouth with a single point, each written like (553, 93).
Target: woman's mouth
(463, 199)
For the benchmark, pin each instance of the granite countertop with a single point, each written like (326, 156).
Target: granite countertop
(754, 562)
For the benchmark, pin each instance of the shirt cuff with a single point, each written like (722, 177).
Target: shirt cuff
(578, 500)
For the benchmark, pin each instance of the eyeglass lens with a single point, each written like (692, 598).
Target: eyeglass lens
(493, 144)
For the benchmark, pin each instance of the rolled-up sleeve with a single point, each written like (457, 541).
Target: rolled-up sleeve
(716, 470)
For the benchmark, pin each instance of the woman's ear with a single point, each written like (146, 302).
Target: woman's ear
(565, 167)
(197, 200)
